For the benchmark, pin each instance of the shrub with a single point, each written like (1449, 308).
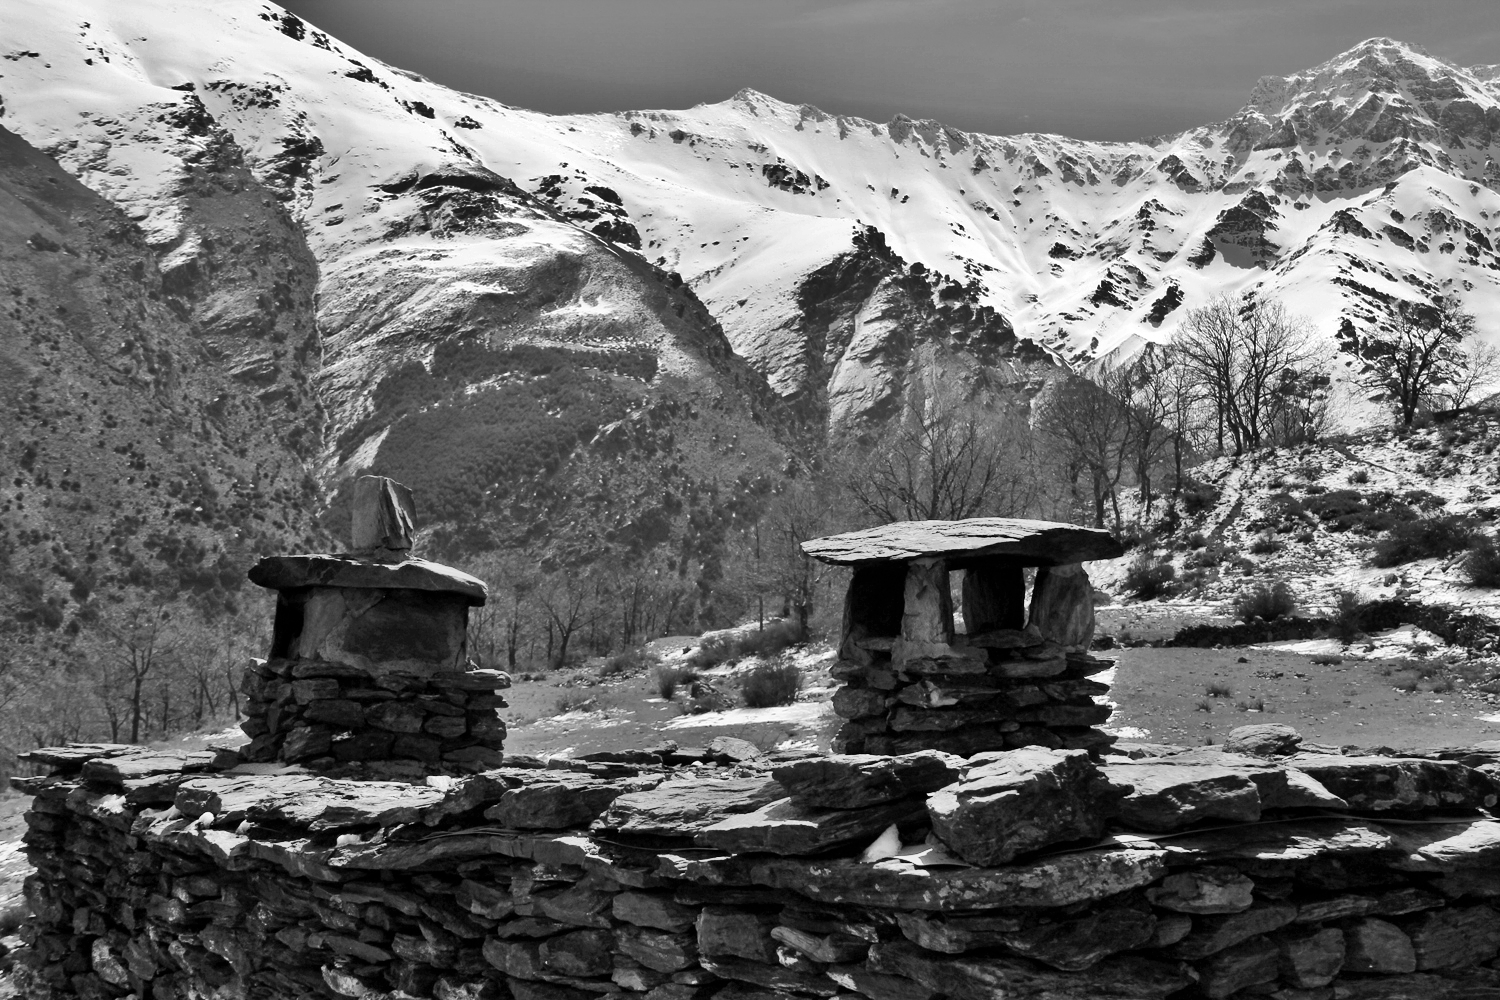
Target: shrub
(777, 636)
(1147, 577)
(1359, 477)
(1197, 497)
(1266, 544)
(574, 701)
(1197, 540)
(1347, 614)
(1217, 690)
(712, 651)
(771, 684)
(669, 679)
(1482, 564)
(629, 662)
(1423, 538)
(1265, 603)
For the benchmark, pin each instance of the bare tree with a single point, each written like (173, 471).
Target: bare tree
(1089, 427)
(131, 644)
(1414, 354)
(570, 599)
(1480, 372)
(1257, 367)
(945, 460)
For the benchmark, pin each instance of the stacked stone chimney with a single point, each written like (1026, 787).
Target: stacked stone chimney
(1017, 677)
(368, 662)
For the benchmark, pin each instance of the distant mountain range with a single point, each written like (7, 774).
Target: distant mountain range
(615, 331)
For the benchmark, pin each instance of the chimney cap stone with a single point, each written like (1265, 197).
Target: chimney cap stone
(1034, 543)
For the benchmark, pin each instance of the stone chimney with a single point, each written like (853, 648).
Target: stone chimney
(1017, 676)
(368, 667)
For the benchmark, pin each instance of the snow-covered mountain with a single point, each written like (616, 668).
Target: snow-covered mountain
(713, 260)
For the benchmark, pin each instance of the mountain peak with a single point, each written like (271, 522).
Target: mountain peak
(1376, 66)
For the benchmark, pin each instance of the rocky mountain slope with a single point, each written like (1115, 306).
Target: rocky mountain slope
(521, 311)
(134, 455)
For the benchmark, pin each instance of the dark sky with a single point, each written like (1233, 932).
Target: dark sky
(1094, 69)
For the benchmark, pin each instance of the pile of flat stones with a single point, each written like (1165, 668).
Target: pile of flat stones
(1262, 867)
(1005, 688)
(331, 715)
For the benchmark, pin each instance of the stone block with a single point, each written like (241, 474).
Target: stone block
(661, 951)
(684, 807)
(1212, 934)
(783, 827)
(1455, 936)
(649, 909)
(1012, 802)
(962, 978)
(1204, 890)
(1062, 605)
(1310, 958)
(1378, 946)
(927, 606)
(340, 713)
(397, 716)
(724, 930)
(1398, 784)
(859, 703)
(579, 953)
(1169, 796)
(1249, 963)
(1270, 739)
(1082, 942)
(854, 781)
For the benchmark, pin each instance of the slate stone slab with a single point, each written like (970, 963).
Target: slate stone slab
(1374, 945)
(854, 781)
(1248, 964)
(784, 827)
(1453, 937)
(1399, 784)
(1204, 890)
(1117, 978)
(1035, 542)
(1014, 801)
(1310, 958)
(1080, 943)
(563, 800)
(684, 807)
(1054, 881)
(293, 572)
(1169, 796)
(1213, 934)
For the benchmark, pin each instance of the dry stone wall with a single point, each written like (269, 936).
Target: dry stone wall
(1262, 868)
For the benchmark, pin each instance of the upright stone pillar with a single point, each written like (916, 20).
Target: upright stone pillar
(368, 659)
(1062, 605)
(927, 616)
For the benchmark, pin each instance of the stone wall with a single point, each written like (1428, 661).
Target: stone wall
(1301, 873)
(347, 720)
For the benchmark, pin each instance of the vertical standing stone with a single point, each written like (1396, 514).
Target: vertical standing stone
(384, 518)
(927, 614)
(994, 596)
(1062, 605)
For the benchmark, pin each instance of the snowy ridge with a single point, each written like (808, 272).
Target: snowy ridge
(1369, 176)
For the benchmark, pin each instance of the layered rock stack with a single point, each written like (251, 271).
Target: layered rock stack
(368, 659)
(1017, 677)
(1302, 874)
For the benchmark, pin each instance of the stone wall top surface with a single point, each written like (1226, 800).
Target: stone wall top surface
(1035, 542)
(291, 572)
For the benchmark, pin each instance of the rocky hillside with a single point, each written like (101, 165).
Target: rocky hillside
(142, 446)
(1316, 516)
